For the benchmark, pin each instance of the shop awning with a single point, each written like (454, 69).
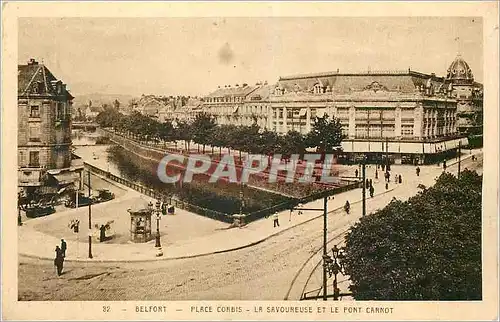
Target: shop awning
(66, 177)
(320, 113)
(235, 109)
(303, 112)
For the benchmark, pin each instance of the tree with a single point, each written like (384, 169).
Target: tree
(326, 135)
(292, 143)
(184, 131)
(268, 142)
(108, 118)
(228, 136)
(427, 248)
(202, 126)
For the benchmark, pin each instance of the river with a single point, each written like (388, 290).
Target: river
(222, 197)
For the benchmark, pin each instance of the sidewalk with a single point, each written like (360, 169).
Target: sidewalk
(33, 243)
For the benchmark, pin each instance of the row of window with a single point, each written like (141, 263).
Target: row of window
(226, 99)
(62, 112)
(33, 161)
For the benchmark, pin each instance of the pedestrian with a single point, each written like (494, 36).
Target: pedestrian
(59, 261)
(276, 222)
(418, 171)
(367, 183)
(372, 190)
(347, 206)
(356, 173)
(444, 165)
(376, 174)
(383, 167)
(400, 179)
(396, 178)
(64, 246)
(102, 233)
(386, 186)
(371, 183)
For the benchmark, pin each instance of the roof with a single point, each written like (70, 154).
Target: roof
(262, 92)
(342, 83)
(36, 79)
(233, 91)
(459, 70)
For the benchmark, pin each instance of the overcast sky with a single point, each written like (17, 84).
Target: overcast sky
(192, 56)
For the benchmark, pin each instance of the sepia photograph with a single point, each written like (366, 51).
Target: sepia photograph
(298, 159)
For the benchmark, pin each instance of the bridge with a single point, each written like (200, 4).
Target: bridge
(85, 125)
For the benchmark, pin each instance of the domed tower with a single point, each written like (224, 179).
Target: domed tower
(465, 91)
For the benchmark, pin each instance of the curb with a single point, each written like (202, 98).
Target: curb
(197, 255)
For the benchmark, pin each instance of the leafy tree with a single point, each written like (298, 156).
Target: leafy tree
(268, 142)
(427, 248)
(326, 135)
(292, 143)
(108, 118)
(166, 131)
(228, 134)
(184, 132)
(202, 127)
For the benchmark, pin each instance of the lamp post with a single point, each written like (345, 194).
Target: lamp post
(19, 219)
(325, 212)
(90, 217)
(158, 217)
(459, 155)
(335, 266)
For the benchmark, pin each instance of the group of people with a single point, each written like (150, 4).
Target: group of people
(60, 255)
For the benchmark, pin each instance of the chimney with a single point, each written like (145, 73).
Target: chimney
(32, 61)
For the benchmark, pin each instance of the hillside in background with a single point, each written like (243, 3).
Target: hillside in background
(98, 99)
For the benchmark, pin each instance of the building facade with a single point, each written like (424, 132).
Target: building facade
(240, 105)
(45, 159)
(406, 116)
(469, 96)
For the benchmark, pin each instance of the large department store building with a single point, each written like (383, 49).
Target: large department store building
(408, 116)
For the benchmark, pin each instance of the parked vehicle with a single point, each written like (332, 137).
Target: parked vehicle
(35, 211)
(103, 195)
(82, 200)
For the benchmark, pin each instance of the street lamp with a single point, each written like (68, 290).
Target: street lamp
(325, 212)
(334, 266)
(158, 217)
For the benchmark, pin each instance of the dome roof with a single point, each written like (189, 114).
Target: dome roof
(459, 70)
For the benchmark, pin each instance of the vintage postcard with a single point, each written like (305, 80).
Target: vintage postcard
(250, 161)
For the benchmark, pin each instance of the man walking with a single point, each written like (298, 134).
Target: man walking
(400, 179)
(64, 246)
(276, 222)
(418, 171)
(372, 190)
(59, 261)
(356, 173)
